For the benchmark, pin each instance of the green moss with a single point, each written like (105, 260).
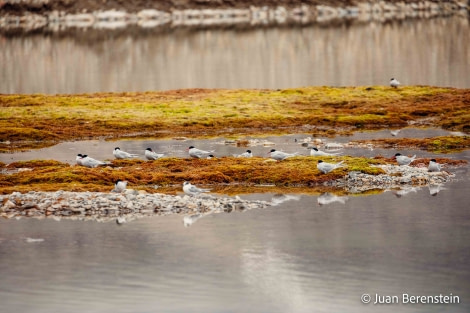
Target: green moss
(217, 112)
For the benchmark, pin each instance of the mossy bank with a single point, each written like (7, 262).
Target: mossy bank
(34, 121)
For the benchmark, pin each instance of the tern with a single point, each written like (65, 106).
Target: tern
(152, 155)
(394, 83)
(85, 160)
(197, 153)
(119, 186)
(79, 159)
(328, 167)
(119, 154)
(315, 152)
(403, 159)
(192, 190)
(246, 154)
(434, 166)
(394, 132)
(279, 155)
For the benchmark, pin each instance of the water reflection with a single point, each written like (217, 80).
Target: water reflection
(327, 198)
(293, 258)
(367, 54)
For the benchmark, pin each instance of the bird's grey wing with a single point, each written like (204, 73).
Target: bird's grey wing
(194, 189)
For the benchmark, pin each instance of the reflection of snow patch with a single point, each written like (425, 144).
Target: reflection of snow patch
(30, 240)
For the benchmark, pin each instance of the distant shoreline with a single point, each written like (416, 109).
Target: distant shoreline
(57, 15)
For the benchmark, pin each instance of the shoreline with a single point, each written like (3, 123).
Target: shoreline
(31, 15)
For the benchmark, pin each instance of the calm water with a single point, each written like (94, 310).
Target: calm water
(295, 257)
(298, 256)
(417, 52)
(103, 150)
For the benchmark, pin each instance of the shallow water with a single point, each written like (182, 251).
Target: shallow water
(345, 55)
(298, 256)
(103, 150)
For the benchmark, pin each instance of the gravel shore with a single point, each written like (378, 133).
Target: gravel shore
(133, 204)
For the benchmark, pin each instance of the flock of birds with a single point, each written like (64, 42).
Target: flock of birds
(324, 167)
(188, 188)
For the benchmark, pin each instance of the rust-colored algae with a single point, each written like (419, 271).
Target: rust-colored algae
(442, 144)
(32, 121)
(166, 172)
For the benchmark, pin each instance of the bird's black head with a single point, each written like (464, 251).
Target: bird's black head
(433, 160)
(117, 181)
(249, 151)
(148, 149)
(316, 149)
(397, 154)
(80, 155)
(272, 150)
(320, 161)
(84, 155)
(117, 148)
(392, 78)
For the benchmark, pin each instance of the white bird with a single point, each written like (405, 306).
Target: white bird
(119, 186)
(119, 154)
(279, 155)
(79, 159)
(434, 166)
(394, 83)
(246, 154)
(152, 155)
(192, 190)
(327, 198)
(197, 153)
(328, 167)
(403, 159)
(90, 162)
(394, 132)
(315, 152)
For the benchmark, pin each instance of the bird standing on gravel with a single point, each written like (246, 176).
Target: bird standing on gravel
(151, 155)
(192, 190)
(434, 166)
(119, 186)
(119, 154)
(403, 159)
(328, 167)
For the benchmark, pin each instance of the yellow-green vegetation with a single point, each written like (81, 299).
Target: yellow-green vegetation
(31, 121)
(224, 174)
(443, 144)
